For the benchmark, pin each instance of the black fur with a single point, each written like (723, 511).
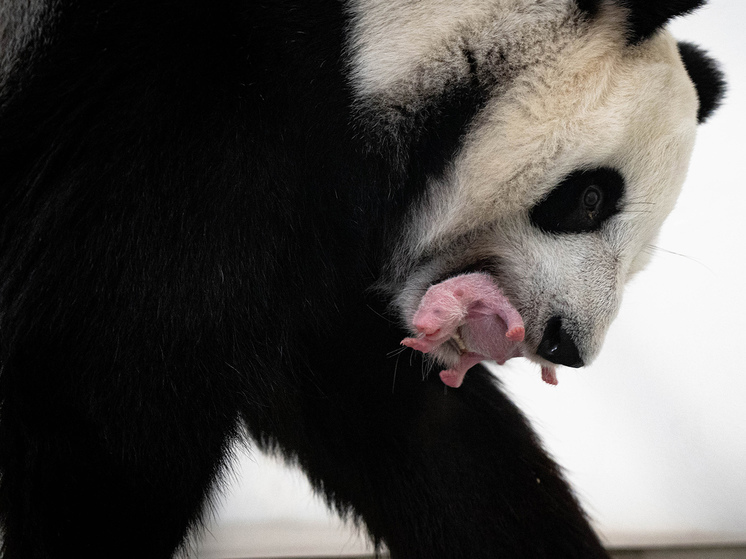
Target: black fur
(707, 77)
(564, 210)
(191, 215)
(646, 16)
(588, 6)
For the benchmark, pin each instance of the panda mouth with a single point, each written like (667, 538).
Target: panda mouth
(471, 316)
(482, 265)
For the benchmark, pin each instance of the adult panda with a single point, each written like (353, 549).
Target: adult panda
(226, 214)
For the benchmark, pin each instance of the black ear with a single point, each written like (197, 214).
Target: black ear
(707, 77)
(647, 16)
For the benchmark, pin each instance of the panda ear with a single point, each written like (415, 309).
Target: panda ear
(647, 16)
(707, 77)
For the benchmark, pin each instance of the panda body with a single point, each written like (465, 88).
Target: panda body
(220, 216)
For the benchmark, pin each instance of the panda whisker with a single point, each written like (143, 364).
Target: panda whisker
(654, 249)
(387, 319)
(638, 212)
(639, 201)
(396, 352)
(396, 369)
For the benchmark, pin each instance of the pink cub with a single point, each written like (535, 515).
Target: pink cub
(472, 310)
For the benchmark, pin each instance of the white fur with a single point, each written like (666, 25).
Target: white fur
(415, 47)
(574, 95)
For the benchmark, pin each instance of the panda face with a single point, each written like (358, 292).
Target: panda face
(610, 176)
(566, 173)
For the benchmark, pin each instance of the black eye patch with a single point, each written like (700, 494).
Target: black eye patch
(580, 203)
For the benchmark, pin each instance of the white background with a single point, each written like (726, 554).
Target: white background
(652, 435)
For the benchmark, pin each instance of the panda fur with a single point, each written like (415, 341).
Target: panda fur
(221, 216)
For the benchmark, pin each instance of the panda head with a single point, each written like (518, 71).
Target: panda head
(574, 155)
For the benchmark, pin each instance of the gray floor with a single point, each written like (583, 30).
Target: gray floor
(682, 553)
(672, 553)
(334, 540)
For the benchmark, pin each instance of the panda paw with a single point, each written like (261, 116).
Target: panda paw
(454, 376)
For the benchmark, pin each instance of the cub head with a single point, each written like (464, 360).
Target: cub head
(572, 156)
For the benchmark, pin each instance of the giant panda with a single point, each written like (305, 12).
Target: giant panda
(225, 217)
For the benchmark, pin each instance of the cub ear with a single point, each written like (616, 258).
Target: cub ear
(647, 16)
(707, 77)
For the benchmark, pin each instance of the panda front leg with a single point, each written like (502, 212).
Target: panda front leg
(124, 480)
(441, 472)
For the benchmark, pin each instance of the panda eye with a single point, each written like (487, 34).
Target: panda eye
(581, 203)
(591, 198)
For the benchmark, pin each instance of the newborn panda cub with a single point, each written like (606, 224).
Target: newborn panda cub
(471, 312)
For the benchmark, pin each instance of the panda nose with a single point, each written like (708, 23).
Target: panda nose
(557, 346)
